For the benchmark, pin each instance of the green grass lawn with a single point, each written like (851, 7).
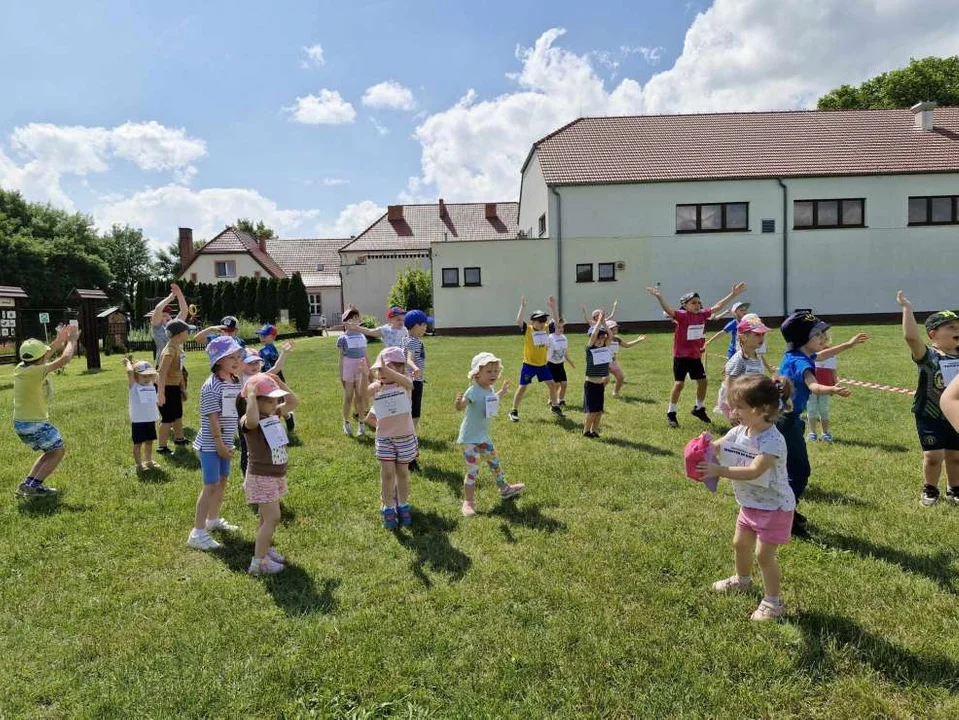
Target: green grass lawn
(588, 596)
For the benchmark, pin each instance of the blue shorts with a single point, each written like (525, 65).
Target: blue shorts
(38, 435)
(214, 467)
(539, 372)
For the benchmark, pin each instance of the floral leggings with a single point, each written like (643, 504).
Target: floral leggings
(473, 454)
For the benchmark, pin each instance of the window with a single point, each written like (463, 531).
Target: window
(226, 269)
(816, 214)
(712, 217)
(934, 210)
(316, 305)
(192, 277)
(607, 272)
(542, 224)
(471, 277)
(256, 274)
(584, 272)
(451, 277)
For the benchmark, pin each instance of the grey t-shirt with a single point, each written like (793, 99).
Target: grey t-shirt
(739, 364)
(770, 491)
(159, 340)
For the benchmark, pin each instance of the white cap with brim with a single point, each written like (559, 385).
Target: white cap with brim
(481, 360)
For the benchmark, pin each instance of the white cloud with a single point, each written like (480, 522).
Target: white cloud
(327, 108)
(314, 57)
(738, 55)
(70, 149)
(352, 220)
(380, 129)
(389, 94)
(652, 55)
(331, 181)
(151, 146)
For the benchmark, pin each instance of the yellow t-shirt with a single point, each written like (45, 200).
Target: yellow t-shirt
(533, 353)
(31, 393)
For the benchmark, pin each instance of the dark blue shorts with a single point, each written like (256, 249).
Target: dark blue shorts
(936, 434)
(539, 372)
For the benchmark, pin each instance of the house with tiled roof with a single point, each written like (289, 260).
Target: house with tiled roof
(234, 253)
(406, 235)
(833, 210)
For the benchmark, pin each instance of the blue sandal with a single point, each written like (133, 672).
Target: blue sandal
(389, 518)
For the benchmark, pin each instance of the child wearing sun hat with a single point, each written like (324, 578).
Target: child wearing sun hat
(143, 410)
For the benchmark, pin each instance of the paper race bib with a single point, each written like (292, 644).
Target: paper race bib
(355, 342)
(492, 405)
(274, 432)
(557, 350)
(614, 348)
(736, 455)
(602, 355)
(388, 403)
(147, 394)
(228, 402)
(540, 338)
(696, 332)
(182, 360)
(949, 367)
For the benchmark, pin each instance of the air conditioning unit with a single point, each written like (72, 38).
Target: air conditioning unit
(620, 265)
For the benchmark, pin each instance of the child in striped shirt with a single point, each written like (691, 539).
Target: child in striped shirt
(416, 322)
(598, 359)
(218, 426)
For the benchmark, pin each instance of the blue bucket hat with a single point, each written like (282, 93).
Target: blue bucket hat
(219, 347)
(416, 317)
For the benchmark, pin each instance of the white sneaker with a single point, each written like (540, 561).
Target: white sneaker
(201, 540)
(361, 430)
(221, 524)
(266, 566)
(347, 429)
(275, 556)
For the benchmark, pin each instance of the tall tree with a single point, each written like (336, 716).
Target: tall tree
(413, 289)
(282, 296)
(128, 256)
(228, 298)
(166, 262)
(242, 287)
(299, 303)
(929, 78)
(259, 230)
(262, 299)
(216, 304)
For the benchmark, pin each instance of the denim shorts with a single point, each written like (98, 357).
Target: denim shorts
(38, 435)
(214, 467)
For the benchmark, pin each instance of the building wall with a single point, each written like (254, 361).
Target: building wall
(205, 267)
(534, 198)
(330, 305)
(509, 269)
(368, 285)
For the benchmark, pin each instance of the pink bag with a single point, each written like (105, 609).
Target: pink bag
(698, 450)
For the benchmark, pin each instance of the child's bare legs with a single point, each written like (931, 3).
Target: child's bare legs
(744, 543)
(388, 483)
(701, 387)
(213, 511)
(561, 394)
(348, 390)
(932, 462)
(617, 372)
(402, 483)
(203, 504)
(269, 519)
(952, 468)
(814, 424)
(136, 454)
(597, 419)
(164, 434)
(178, 429)
(676, 391)
(825, 426)
(518, 396)
(147, 452)
(47, 463)
(553, 389)
(359, 396)
(769, 566)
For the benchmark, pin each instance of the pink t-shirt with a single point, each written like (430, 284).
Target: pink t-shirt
(392, 426)
(690, 334)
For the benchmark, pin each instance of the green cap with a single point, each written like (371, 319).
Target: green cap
(33, 349)
(937, 320)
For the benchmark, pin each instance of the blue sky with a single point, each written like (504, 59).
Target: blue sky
(206, 93)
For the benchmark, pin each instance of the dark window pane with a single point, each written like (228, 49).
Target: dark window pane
(607, 271)
(802, 213)
(852, 212)
(917, 210)
(685, 217)
(451, 276)
(471, 276)
(542, 224)
(712, 217)
(828, 213)
(942, 209)
(736, 215)
(584, 273)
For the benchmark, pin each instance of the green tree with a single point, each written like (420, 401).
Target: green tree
(216, 303)
(228, 298)
(242, 287)
(413, 289)
(259, 230)
(206, 302)
(248, 301)
(929, 78)
(299, 303)
(262, 299)
(166, 262)
(128, 257)
(282, 296)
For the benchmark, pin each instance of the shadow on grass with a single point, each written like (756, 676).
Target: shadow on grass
(6, 386)
(828, 634)
(429, 539)
(633, 445)
(636, 399)
(524, 515)
(833, 497)
(936, 567)
(866, 444)
(293, 590)
(452, 478)
(153, 476)
(567, 423)
(184, 457)
(434, 444)
(49, 506)
(294, 439)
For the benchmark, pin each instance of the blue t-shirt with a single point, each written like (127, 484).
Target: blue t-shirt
(731, 327)
(475, 426)
(270, 355)
(794, 366)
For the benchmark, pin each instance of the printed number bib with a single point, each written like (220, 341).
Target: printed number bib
(557, 350)
(389, 403)
(540, 338)
(492, 405)
(147, 394)
(356, 342)
(274, 432)
(228, 403)
(736, 455)
(949, 367)
(602, 356)
(695, 332)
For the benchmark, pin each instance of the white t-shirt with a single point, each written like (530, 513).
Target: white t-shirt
(770, 491)
(830, 364)
(558, 345)
(142, 403)
(393, 337)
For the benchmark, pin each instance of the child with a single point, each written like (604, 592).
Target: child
(395, 435)
(535, 354)
(416, 322)
(938, 366)
(31, 394)
(354, 370)
(688, 342)
(265, 397)
(393, 334)
(739, 312)
(162, 315)
(817, 410)
(219, 420)
(251, 366)
(590, 320)
(558, 356)
(751, 334)
(803, 333)
(229, 326)
(753, 455)
(142, 405)
(598, 359)
(481, 403)
(273, 361)
(615, 344)
(949, 404)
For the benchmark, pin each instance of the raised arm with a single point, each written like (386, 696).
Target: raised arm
(738, 289)
(128, 366)
(290, 401)
(181, 302)
(631, 343)
(252, 417)
(829, 352)
(600, 322)
(285, 351)
(156, 317)
(388, 373)
(910, 330)
(612, 313)
(521, 311)
(69, 350)
(551, 306)
(586, 318)
(206, 332)
(658, 294)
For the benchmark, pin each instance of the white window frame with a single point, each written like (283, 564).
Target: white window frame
(227, 266)
(316, 304)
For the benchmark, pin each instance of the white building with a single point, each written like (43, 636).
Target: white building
(234, 254)
(833, 210)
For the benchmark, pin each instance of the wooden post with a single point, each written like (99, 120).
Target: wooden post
(11, 325)
(89, 327)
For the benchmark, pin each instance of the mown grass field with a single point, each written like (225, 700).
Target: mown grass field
(588, 596)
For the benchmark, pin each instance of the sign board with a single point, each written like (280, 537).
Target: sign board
(8, 324)
(8, 302)
(44, 318)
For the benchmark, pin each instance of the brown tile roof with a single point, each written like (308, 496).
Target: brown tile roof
(232, 240)
(657, 148)
(422, 225)
(304, 255)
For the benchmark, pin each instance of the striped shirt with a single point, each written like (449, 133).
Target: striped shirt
(595, 369)
(354, 353)
(414, 346)
(219, 397)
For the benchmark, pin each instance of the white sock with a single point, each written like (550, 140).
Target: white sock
(745, 578)
(699, 404)
(672, 407)
(773, 600)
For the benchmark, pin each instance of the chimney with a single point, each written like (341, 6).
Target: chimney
(394, 212)
(490, 211)
(443, 210)
(185, 244)
(923, 113)
(262, 243)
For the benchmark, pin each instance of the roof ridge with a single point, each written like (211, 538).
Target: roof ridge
(800, 111)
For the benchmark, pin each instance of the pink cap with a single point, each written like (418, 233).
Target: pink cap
(698, 450)
(265, 385)
(388, 356)
(752, 325)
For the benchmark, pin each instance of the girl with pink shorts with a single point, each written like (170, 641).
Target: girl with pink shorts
(354, 371)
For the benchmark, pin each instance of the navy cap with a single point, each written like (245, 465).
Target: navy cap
(229, 322)
(799, 327)
(416, 317)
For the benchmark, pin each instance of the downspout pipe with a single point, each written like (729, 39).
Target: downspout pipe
(559, 249)
(785, 247)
